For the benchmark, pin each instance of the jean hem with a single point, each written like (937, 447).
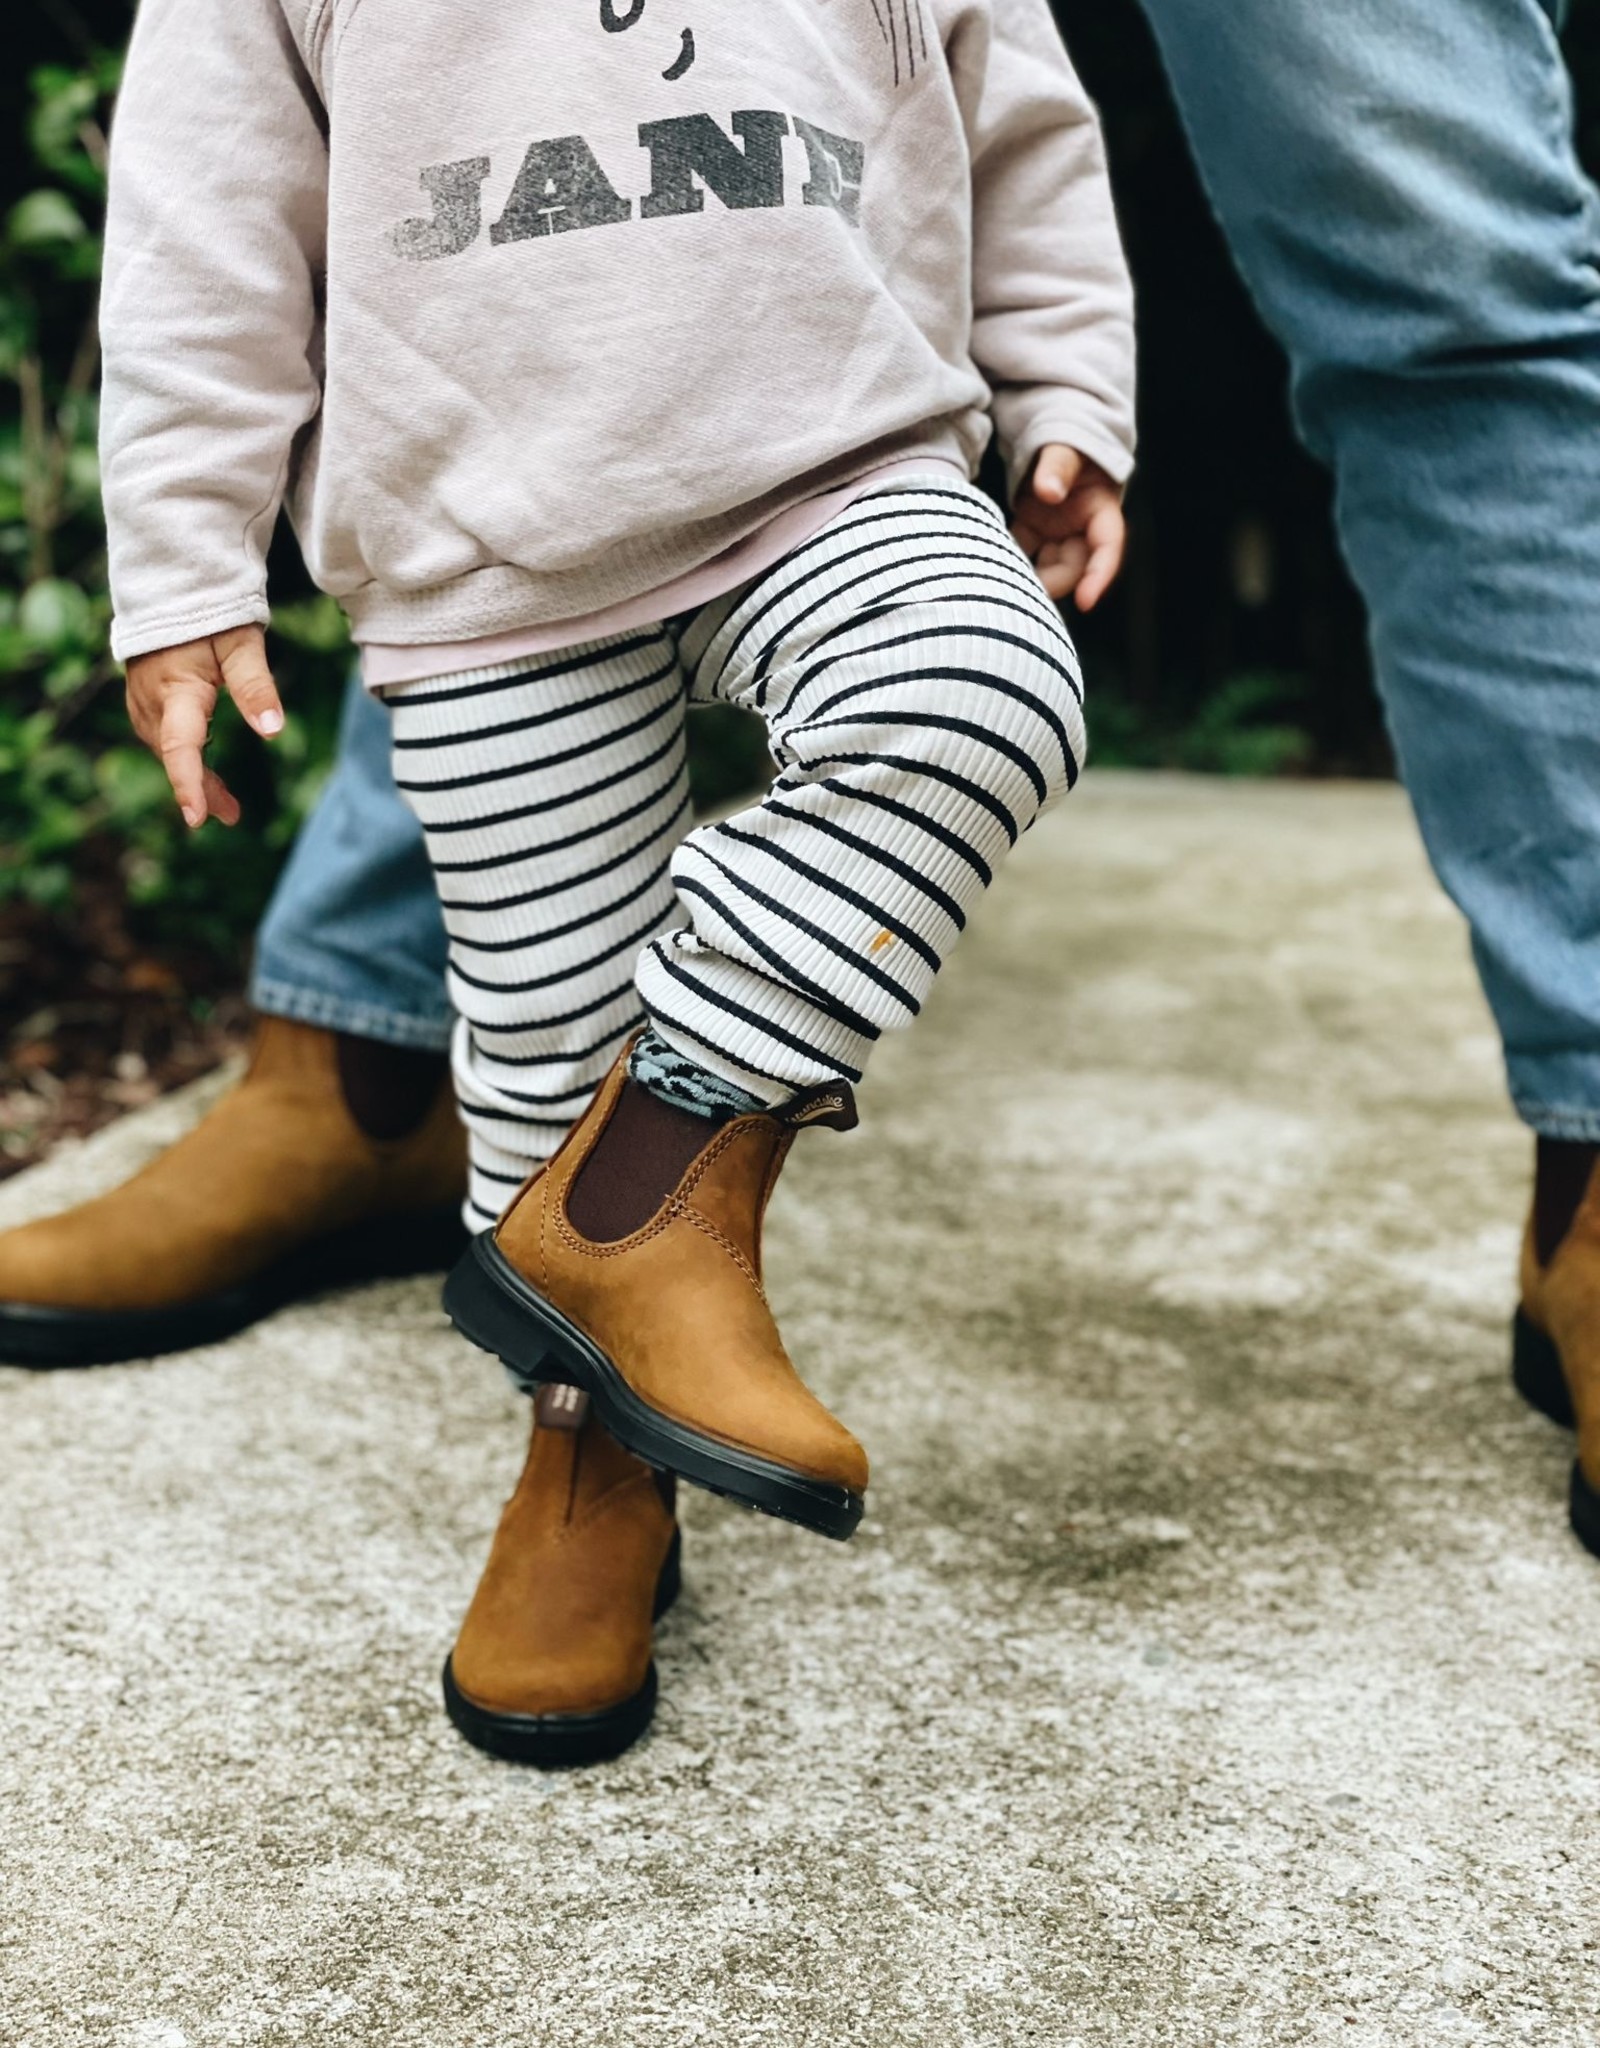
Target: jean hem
(361, 1020)
(1546, 1120)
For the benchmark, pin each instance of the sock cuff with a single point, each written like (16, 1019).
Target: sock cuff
(676, 1079)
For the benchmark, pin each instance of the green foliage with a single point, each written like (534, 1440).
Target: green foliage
(1247, 727)
(75, 787)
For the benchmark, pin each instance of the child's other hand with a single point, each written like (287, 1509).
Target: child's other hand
(171, 696)
(1068, 521)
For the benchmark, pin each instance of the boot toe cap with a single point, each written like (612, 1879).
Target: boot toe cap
(41, 1267)
(535, 1687)
(806, 1440)
(834, 1455)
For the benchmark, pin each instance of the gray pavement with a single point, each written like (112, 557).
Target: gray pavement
(1214, 1665)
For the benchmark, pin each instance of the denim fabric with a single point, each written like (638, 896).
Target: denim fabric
(1398, 184)
(353, 938)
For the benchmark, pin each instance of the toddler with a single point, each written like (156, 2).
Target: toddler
(616, 356)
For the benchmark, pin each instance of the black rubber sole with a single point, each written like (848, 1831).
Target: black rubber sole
(555, 1742)
(489, 1302)
(45, 1339)
(1536, 1372)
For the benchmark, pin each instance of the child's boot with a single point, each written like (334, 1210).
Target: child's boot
(1556, 1337)
(553, 1665)
(631, 1266)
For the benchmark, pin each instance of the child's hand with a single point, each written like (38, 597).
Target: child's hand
(1068, 522)
(171, 696)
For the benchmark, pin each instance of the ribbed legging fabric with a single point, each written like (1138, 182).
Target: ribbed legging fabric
(923, 706)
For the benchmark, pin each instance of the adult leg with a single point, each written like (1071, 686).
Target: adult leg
(352, 939)
(1401, 191)
(339, 1157)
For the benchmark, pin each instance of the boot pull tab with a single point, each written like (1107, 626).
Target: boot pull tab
(560, 1407)
(833, 1105)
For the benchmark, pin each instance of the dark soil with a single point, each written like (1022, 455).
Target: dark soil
(93, 1022)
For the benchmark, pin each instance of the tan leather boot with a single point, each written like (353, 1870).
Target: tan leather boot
(1556, 1350)
(664, 1323)
(552, 1665)
(278, 1192)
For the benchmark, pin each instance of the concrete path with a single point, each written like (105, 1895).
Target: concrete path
(1214, 1665)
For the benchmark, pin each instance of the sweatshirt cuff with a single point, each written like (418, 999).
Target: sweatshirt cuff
(147, 635)
(1071, 424)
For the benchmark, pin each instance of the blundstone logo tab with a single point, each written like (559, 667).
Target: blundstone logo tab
(832, 1104)
(560, 1407)
(814, 1111)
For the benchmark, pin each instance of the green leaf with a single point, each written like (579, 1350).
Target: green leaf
(62, 102)
(55, 615)
(18, 330)
(77, 262)
(317, 624)
(47, 884)
(132, 782)
(44, 219)
(17, 651)
(83, 476)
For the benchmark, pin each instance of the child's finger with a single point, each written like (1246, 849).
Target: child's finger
(1027, 537)
(242, 657)
(1055, 473)
(1106, 534)
(221, 802)
(144, 714)
(185, 722)
(1060, 566)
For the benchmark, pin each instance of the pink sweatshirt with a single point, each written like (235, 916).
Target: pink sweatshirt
(532, 309)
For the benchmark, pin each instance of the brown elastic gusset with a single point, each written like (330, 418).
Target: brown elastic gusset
(388, 1089)
(1563, 1168)
(645, 1149)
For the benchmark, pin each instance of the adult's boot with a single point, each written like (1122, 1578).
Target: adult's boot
(630, 1266)
(553, 1664)
(1556, 1337)
(334, 1160)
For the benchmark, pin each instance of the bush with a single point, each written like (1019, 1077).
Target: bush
(75, 789)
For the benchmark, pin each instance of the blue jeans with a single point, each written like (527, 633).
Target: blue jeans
(1398, 183)
(353, 938)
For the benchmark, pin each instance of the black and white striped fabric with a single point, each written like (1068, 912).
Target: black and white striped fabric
(923, 706)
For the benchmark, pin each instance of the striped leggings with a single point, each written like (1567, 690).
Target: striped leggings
(922, 705)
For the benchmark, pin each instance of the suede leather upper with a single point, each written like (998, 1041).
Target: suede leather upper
(278, 1161)
(678, 1306)
(561, 1619)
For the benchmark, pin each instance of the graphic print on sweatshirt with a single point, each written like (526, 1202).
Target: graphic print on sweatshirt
(738, 157)
(905, 36)
(615, 21)
(901, 24)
